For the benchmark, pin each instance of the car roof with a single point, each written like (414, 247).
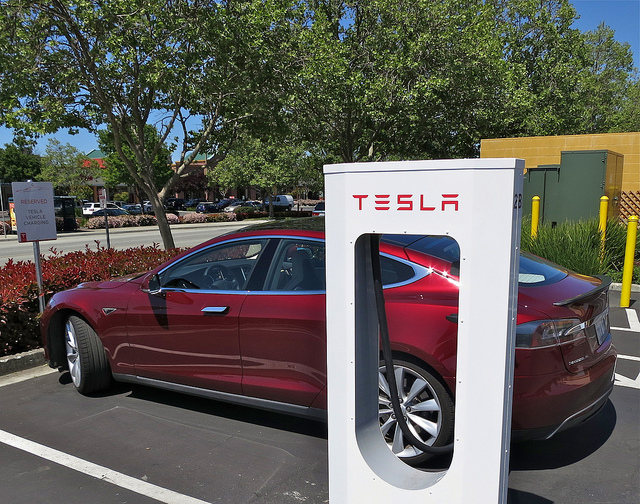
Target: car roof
(314, 224)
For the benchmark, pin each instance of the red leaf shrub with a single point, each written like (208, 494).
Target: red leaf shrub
(19, 331)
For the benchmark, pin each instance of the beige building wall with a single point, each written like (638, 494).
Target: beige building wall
(546, 150)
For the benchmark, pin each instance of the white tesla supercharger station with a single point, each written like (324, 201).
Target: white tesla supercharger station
(478, 203)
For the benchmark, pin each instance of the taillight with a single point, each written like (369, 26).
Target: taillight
(546, 333)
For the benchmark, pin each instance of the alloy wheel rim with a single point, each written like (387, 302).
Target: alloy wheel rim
(73, 357)
(420, 407)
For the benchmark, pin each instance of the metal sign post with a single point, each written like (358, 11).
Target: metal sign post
(4, 224)
(102, 194)
(478, 203)
(35, 220)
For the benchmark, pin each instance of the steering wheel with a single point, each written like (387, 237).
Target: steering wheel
(182, 283)
(221, 277)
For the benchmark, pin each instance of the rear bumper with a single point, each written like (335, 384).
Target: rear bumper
(544, 406)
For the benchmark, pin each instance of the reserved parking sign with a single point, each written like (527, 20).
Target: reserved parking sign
(33, 207)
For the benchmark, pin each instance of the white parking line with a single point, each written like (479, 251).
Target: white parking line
(96, 471)
(634, 323)
(624, 381)
(632, 317)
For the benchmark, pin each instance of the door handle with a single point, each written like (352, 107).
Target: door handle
(215, 310)
(452, 318)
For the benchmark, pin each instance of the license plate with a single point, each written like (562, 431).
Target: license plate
(601, 324)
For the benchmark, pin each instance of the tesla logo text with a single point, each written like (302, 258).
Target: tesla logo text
(407, 202)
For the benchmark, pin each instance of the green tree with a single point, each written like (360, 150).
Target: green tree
(609, 85)
(546, 59)
(18, 163)
(117, 171)
(203, 69)
(629, 113)
(269, 165)
(68, 169)
(392, 79)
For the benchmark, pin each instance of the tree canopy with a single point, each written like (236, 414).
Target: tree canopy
(198, 68)
(68, 169)
(18, 162)
(116, 171)
(328, 80)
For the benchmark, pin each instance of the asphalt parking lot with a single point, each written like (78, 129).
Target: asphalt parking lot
(139, 445)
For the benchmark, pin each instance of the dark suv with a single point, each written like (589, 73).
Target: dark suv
(175, 204)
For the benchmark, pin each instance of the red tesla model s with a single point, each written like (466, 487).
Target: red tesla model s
(241, 318)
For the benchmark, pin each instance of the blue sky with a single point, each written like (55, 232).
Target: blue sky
(621, 15)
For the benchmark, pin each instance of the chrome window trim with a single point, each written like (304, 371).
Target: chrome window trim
(420, 272)
(212, 245)
(200, 250)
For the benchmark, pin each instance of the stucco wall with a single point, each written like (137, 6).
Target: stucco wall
(546, 150)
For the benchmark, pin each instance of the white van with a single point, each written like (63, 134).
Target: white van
(282, 201)
(89, 208)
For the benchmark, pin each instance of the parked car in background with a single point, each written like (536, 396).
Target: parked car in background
(206, 207)
(192, 203)
(110, 212)
(256, 204)
(175, 204)
(233, 206)
(133, 209)
(89, 208)
(241, 318)
(318, 210)
(281, 201)
(223, 203)
(147, 208)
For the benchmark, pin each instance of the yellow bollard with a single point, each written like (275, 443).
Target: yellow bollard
(629, 255)
(535, 215)
(604, 207)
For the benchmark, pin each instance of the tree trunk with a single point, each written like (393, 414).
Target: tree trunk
(270, 206)
(163, 223)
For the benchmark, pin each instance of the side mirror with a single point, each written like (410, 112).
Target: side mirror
(151, 285)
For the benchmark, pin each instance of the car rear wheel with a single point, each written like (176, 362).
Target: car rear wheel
(427, 408)
(86, 357)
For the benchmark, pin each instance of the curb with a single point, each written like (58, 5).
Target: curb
(20, 362)
(618, 287)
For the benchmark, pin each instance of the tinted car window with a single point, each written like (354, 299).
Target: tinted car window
(395, 272)
(298, 265)
(226, 266)
(535, 271)
(443, 247)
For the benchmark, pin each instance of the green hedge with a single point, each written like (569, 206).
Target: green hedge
(19, 331)
(577, 246)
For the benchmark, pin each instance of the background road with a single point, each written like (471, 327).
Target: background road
(184, 235)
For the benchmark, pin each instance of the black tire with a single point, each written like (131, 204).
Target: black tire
(429, 410)
(86, 357)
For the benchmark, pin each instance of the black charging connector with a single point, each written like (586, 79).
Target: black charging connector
(388, 356)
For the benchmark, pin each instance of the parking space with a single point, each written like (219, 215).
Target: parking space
(598, 461)
(176, 449)
(139, 445)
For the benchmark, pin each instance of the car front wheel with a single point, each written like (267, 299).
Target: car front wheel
(86, 357)
(426, 406)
